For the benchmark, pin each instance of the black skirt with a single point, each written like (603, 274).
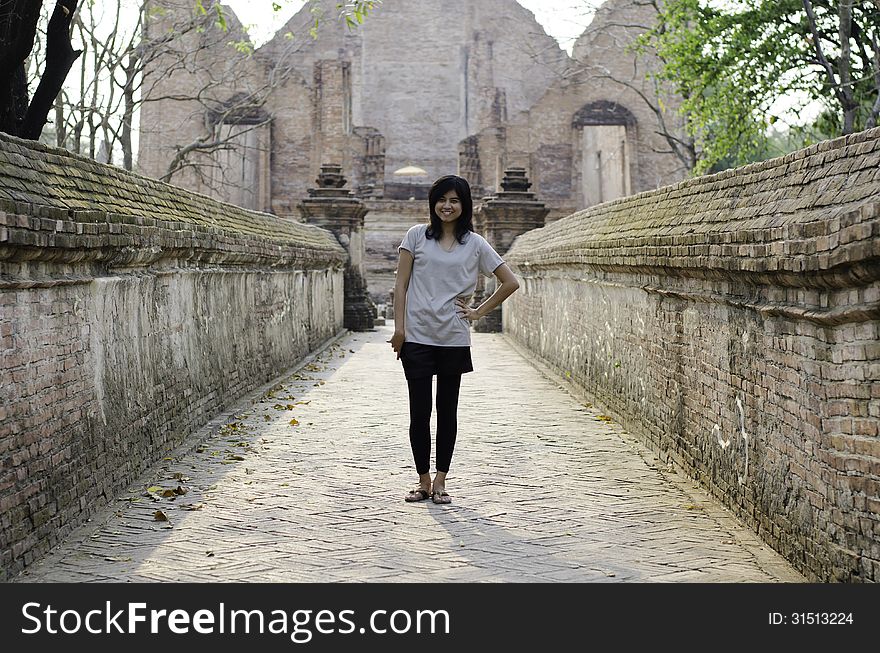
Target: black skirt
(421, 360)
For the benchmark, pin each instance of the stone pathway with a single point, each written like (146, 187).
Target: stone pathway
(304, 482)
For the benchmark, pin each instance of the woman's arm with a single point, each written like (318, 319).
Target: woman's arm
(509, 285)
(401, 284)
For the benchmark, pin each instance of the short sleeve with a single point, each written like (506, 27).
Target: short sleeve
(409, 240)
(489, 258)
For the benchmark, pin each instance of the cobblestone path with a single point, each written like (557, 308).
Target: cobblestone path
(304, 481)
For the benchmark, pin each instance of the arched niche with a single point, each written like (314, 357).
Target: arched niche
(239, 171)
(604, 136)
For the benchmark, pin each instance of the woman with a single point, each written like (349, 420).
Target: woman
(436, 276)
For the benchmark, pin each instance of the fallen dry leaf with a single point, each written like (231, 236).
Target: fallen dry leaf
(160, 516)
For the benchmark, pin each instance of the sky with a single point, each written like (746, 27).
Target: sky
(564, 20)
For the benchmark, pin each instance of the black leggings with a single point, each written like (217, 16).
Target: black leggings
(420, 420)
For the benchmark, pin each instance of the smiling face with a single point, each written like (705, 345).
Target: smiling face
(448, 207)
(451, 207)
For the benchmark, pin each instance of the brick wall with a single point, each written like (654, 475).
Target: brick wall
(131, 312)
(732, 321)
(385, 226)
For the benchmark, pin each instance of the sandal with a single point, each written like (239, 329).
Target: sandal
(441, 497)
(416, 495)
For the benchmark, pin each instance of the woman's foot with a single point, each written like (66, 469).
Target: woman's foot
(422, 492)
(440, 496)
(416, 495)
(438, 490)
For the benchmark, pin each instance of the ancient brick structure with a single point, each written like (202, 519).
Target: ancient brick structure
(509, 213)
(458, 86)
(385, 225)
(131, 313)
(402, 89)
(333, 207)
(594, 135)
(732, 322)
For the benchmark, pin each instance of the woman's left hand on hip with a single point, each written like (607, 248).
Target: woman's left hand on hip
(465, 311)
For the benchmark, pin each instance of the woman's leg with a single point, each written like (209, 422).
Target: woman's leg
(447, 421)
(420, 423)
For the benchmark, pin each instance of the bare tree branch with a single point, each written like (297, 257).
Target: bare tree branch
(842, 89)
(60, 56)
(875, 110)
(18, 29)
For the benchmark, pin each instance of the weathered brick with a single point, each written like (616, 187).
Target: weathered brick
(807, 384)
(76, 418)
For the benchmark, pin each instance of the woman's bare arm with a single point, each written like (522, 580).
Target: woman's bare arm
(509, 285)
(401, 284)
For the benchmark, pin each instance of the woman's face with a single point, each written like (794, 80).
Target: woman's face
(448, 207)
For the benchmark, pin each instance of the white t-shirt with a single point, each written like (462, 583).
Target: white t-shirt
(438, 277)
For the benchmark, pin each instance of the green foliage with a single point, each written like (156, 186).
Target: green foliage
(242, 46)
(217, 10)
(355, 12)
(732, 61)
(352, 13)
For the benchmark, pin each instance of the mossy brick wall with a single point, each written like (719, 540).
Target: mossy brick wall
(731, 321)
(131, 313)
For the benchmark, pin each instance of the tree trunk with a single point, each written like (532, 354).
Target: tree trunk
(60, 56)
(875, 110)
(128, 115)
(850, 106)
(60, 127)
(18, 29)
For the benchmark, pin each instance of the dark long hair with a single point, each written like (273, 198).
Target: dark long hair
(465, 222)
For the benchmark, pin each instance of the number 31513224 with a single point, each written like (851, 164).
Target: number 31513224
(810, 618)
